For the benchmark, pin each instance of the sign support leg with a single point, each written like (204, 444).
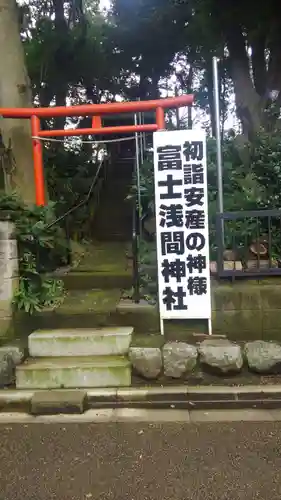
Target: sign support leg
(162, 326)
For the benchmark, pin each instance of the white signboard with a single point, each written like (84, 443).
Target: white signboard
(182, 224)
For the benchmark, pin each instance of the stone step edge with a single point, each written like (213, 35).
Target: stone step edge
(81, 333)
(69, 401)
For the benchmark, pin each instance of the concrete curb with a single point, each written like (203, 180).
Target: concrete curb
(60, 401)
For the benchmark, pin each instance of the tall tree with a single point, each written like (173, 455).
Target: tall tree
(15, 92)
(245, 34)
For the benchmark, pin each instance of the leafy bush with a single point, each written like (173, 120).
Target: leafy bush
(251, 181)
(41, 249)
(70, 172)
(266, 167)
(241, 191)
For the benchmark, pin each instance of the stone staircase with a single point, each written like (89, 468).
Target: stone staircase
(113, 221)
(84, 342)
(76, 358)
(61, 353)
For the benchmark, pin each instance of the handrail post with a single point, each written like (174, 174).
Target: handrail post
(38, 162)
(137, 168)
(136, 220)
(135, 253)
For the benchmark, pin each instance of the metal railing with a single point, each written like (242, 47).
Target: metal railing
(248, 243)
(137, 207)
(135, 251)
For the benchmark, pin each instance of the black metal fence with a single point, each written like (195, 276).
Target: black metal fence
(248, 244)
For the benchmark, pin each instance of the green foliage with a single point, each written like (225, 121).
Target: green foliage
(40, 248)
(266, 167)
(255, 184)
(241, 191)
(70, 173)
(251, 181)
(74, 56)
(87, 56)
(148, 265)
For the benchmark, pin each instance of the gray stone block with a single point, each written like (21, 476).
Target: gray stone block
(16, 353)
(5, 326)
(146, 361)
(178, 358)
(72, 372)
(263, 357)
(10, 357)
(8, 287)
(5, 308)
(55, 402)
(7, 369)
(7, 230)
(221, 355)
(8, 249)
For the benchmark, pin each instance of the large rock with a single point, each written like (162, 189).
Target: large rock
(221, 356)
(10, 357)
(179, 358)
(7, 369)
(263, 357)
(146, 361)
(16, 352)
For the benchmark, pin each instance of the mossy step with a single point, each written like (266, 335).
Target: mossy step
(96, 301)
(81, 309)
(108, 238)
(78, 372)
(145, 340)
(80, 342)
(96, 308)
(105, 280)
(115, 267)
(104, 257)
(103, 308)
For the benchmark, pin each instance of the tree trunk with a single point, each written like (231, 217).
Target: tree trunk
(210, 87)
(248, 102)
(15, 91)
(61, 85)
(258, 45)
(274, 63)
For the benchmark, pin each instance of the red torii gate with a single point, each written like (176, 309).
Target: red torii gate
(96, 111)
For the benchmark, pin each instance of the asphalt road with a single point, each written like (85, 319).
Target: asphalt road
(123, 461)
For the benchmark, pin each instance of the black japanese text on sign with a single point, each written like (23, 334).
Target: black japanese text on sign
(182, 224)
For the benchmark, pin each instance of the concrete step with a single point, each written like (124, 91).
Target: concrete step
(71, 373)
(115, 225)
(106, 217)
(87, 280)
(103, 219)
(109, 341)
(95, 309)
(113, 229)
(112, 237)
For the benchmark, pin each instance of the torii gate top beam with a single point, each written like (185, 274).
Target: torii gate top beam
(96, 111)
